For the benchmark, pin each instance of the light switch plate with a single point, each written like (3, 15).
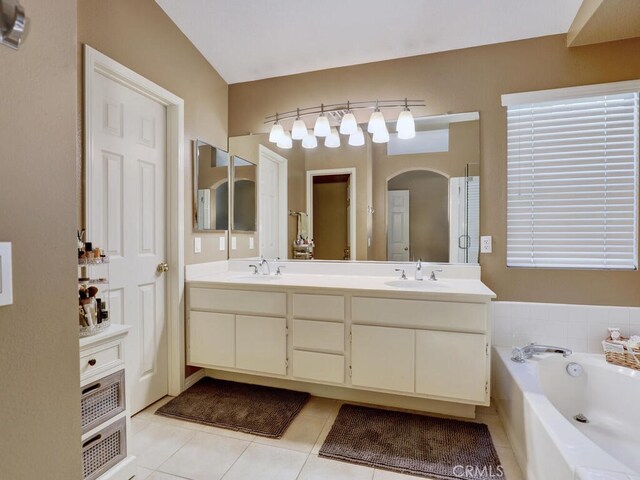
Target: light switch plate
(6, 280)
(223, 244)
(251, 243)
(234, 243)
(197, 245)
(485, 244)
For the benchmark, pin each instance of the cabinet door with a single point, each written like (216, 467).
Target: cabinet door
(261, 344)
(212, 339)
(452, 365)
(383, 357)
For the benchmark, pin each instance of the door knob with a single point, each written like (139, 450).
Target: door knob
(162, 267)
(406, 249)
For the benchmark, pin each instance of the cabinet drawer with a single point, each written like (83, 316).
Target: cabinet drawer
(318, 335)
(100, 359)
(322, 367)
(453, 316)
(238, 301)
(318, 307)
(212, 339)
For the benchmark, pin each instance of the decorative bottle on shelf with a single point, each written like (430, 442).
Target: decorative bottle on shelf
(93, 288)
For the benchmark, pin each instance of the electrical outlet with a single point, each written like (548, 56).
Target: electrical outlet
(234, 243)
(197, 245)
(223, 244)
(485, 244)
(251, 244)
(6, 281)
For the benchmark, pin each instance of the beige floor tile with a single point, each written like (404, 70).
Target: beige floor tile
(142, 473)
(247, 437)
(509, 463)
(301, 434)
(320, 407)
(387, 475)
(151, 409)
(164, 476)
(324, 469)
(156, 443)
(498, 434)
(138, 424)
(175, 422)
(323, 436)
(205, 457)
(263, 462)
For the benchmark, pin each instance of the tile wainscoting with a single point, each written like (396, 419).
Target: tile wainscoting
(579, 327)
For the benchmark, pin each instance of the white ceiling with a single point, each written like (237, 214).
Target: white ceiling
(248, 40)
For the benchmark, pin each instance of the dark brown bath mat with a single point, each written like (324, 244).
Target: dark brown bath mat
(438, 448)
(263, 411)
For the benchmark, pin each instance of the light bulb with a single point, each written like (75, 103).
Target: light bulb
(299, 130)
(357, 139)
(276, 133)
(333, 140)
(381, 136)
(406, 126)
(376, 122)
(310, 140)
(322, 127)
(348, 126)
(285, 141)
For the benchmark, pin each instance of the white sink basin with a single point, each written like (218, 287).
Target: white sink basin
(257, 278)
(417, 284)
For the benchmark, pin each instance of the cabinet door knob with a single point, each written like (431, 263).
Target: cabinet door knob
(92, 362)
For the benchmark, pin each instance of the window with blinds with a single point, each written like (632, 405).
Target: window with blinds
(572, 178)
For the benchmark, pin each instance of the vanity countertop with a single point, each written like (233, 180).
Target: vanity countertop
(443, 289)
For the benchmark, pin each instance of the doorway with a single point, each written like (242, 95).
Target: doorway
(331, 207)
(272, 204)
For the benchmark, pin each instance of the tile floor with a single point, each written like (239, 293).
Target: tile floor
(169, 449)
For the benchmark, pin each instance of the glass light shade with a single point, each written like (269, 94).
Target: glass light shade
(299, 130)
(285, 141)
(276, 132)
(376, 122)
(348, 126)
(310, 140)
(322, 127)
(357, 139)
(333, 140)
(406, 127)
(381, 136)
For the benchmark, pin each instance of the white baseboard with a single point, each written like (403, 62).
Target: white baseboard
(194, 378)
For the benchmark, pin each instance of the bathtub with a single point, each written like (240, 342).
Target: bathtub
(537, 401)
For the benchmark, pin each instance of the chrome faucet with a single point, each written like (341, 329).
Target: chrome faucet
(521, 354)
(255, 269)
(403, 275)
(418, 275)
(263, 262)
(433, 277)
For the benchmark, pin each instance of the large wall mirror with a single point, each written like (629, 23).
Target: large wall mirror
(400, 201)
(210, 188)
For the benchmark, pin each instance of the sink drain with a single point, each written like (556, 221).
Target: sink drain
(581, 418)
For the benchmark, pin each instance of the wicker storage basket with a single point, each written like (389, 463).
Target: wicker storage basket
(618, 354)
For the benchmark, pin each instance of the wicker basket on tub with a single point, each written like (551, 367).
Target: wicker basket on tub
(617, 353)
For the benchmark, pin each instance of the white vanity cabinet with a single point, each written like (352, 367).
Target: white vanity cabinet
(261, 344)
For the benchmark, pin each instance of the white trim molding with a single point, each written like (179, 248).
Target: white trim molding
(100, 63)
(570, 92)
(283, 195)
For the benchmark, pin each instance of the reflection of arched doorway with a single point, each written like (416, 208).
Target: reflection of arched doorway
(418, 216)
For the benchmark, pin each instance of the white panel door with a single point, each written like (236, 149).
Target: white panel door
(383, 357)
(272, 205)
(398, 225)
(261, 344)
(126, 211)
(462, 378)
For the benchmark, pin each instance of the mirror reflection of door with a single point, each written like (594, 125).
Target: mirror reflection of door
(331, 217)
(418, 216)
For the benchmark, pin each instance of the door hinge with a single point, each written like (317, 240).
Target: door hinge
(286, 363)
(486, 349)
(486, 387)
(286, 330)
(350, 371)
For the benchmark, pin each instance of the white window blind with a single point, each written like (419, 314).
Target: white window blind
(572, 182)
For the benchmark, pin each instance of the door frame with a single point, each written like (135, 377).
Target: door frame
(95, 61)
(283, 214)
(352, 204)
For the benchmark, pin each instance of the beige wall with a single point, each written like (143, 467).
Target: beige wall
(471, 80)
(464, 148)
(141, 36)
(39, 374)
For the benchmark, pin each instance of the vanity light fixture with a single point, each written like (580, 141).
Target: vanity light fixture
(285, 141)
(357, 139)
(343, 112)
(299, 130)
(333, 140)
(310, 141)
(276, 132)
(13, 23)
(322, 127)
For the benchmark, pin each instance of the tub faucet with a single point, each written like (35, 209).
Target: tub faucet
(263, 262)
(521, 354)
(418, 275)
